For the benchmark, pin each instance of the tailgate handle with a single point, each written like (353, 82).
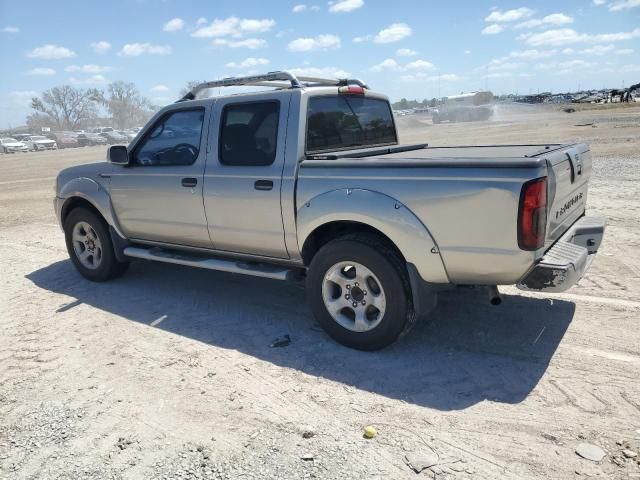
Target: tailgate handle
(576, 165)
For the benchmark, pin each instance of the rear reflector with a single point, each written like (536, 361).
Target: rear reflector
(353, 89)
(532, 215)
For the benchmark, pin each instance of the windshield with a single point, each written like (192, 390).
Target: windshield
(9, 140)
(343, 122)
(39, 138)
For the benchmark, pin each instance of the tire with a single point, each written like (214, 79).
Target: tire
(85, 224)
(386, 318)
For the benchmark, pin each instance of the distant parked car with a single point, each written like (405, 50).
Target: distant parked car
(102, 129)
(64, 140)
(39, 142)
(131, 133)
(21, 136)
(11, 145)
(90, 139)
(114, 137)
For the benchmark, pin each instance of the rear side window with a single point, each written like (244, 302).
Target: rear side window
(249, 133)
(348, 121)
(173, 140)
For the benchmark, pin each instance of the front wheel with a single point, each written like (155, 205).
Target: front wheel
(358, 291)
(90, 247)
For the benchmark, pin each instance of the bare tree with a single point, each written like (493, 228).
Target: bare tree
(68, 107)
(127, 106)
(190, 86)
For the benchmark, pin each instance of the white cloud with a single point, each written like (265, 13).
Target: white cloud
(340, 6)
(630, 68)
(419, 65)
(302, 8)
(22, 98)
(423, 77)
(406, 52)
(137, 49)
(321, 42)
(388, 64)
(93, 80)
(101, 47)
(362, 39)
(509, 15)
(599, 2)
(87, 68)
(492, 29)
(10, 29)
(250, 43)
(624, 51)
(331, 72)
(553, 19)
(248, 62)
(533, 54)
(41, 71)
(51, 52)
(234, 27)
(391, 64)
(160, 88)
(565, 66)
(393, 33)
(624, 5)
(201, 21)
(567, 36)
(174, 25)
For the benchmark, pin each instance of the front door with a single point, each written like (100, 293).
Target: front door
(243, 177)
(158, 197)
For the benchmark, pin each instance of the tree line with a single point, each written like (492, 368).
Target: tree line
(70, 108)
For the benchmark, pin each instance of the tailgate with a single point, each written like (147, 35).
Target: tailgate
(569, 170)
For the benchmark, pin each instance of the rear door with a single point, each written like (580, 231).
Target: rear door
(569, 174)
(243, 176)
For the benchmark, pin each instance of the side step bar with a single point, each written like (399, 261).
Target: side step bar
(276, 272)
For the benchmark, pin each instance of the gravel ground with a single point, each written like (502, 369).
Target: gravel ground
(168, 373)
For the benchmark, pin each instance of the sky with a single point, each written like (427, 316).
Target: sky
(404, 48)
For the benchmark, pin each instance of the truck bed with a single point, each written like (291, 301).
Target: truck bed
(466, 196)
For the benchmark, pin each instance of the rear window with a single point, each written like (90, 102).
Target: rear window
(348, 121)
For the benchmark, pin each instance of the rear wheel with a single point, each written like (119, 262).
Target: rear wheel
(90, 247)
(359, 292)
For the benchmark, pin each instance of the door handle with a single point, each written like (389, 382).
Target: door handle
(189, 182)
(263, 185)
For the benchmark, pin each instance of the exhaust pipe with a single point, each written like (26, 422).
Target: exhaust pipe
(494, 295)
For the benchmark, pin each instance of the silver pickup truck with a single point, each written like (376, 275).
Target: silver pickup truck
(308, 180)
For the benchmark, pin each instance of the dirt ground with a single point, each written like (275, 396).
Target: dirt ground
(168, 372)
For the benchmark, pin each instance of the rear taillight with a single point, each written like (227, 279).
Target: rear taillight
(532, 216)
(351, 89)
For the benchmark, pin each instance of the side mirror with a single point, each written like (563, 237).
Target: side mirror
(118, 155)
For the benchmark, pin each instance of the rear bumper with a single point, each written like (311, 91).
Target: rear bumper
(564, 264)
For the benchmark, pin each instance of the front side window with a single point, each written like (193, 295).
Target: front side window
(248, 134)
(341, 122)
(174, 140)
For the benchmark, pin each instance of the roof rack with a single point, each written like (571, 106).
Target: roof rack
(279, 79)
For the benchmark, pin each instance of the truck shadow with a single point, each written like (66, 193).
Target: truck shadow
(469, 352)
